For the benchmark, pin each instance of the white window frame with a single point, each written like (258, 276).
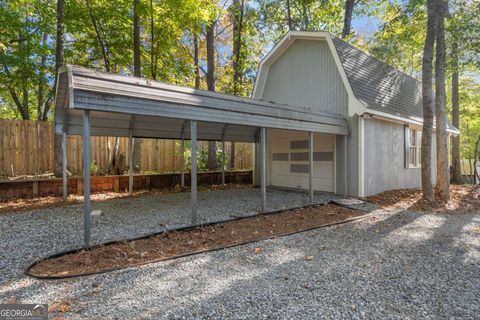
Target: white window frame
(414, 148)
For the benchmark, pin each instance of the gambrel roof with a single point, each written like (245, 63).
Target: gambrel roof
(378, 85)
(373, 86)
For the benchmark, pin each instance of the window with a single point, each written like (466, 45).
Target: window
(413, 143)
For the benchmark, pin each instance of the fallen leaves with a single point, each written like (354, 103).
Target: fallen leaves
(63, 306)
(167, 245)
(463, 199)
(10, 300)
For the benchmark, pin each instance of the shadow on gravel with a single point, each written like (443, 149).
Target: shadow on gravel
(400, 265)
(387, 275)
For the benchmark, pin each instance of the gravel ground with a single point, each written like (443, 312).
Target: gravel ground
(390, 265)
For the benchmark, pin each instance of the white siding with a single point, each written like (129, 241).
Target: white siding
(306, 75)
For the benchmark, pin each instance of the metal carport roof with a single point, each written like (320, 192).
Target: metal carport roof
(90, 102)
(150, 109)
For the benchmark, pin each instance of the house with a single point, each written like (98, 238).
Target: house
(318, 103)
(382, 105)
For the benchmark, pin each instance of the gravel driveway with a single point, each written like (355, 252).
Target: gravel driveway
(391, 265)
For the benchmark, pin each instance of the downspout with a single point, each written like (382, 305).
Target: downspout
(361, 156)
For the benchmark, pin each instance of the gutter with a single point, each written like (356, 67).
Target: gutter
(402, 120)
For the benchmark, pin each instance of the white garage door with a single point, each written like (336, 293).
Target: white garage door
(289, 166)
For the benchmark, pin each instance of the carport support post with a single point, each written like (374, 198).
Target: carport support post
(263, 168)
(223, 162)
(345, 167)
(310, 160)
(182, 177)
(130, 161)
(193, 178)
(86, 177)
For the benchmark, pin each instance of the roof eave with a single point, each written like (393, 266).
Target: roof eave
(404, 120)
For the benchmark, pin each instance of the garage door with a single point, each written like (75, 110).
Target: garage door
(289, 165)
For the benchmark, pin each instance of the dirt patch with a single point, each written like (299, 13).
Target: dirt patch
(172, 244)
(463, 199)
(22, 204)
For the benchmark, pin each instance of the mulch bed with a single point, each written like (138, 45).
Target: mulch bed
(463, 199)
(179, 243)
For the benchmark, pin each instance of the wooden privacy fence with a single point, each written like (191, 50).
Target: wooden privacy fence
(27, 148)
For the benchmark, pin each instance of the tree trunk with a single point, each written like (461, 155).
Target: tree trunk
(289, 16)
(115, 158)
(41, 112)
(211, 56)
(442, 188)
(59, 55)
(456, 163)
(102, 42)
(153, 58)
(427, 102)
(476, 176)
(115, 161)
(237, 42)
(20, 106)
(59, 61)
(196, 61)
(237, 46)
(306, 22)
(232, 155)
(137, 72)
(212, 145)
(136, 40)
(347, 18)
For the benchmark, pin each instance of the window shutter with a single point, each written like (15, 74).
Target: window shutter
(406, 146)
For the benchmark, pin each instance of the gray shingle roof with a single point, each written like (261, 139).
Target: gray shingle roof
(378, 85)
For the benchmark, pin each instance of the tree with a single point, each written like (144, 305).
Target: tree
(462, 28)
(136, 40)
(456, 163)
(26, 50)
(401, 38)
(289, 16)
(276, 17)
(470, 124)
(59, 61)
(238, 14)
(60, 40)
(212, 146)
(442, 188)
(347, 19)
(476, 175)
(196, 61)
(137, 72)
(427, 97)
(105, 32)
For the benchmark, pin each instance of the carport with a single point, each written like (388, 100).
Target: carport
(94, 103)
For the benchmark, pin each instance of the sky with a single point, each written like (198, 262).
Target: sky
(366, 26)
